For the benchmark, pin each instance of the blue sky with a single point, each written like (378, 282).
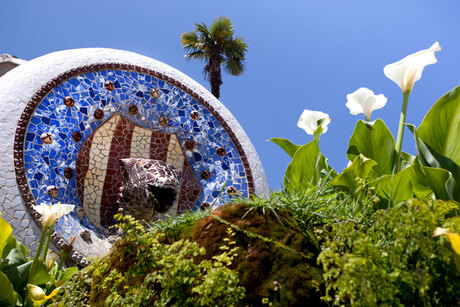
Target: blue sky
(306, 54)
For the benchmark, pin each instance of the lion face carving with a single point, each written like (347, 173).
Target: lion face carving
(149, 187)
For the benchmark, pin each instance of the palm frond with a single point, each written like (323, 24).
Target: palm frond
(198, 54)
(221, 27)
(234, 66)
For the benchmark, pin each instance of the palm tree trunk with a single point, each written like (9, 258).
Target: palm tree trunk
(215, 75)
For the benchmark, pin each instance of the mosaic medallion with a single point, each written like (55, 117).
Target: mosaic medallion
(94, 117)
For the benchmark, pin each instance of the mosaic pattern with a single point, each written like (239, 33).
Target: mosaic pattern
(85, 125)
(149, 187)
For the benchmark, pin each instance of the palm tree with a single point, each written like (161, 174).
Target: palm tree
(216, 46)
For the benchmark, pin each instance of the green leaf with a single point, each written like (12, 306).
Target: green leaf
(361, 167)
(440, 129)
(8, 296)
(433, 170)
(306, 167)
(438, 137)
(374, 141)
(395, 188)
(437, 179)
(5, 232)
(65, 274)
(41, 275)
(18, 275)
(289, 147)
(12, 243)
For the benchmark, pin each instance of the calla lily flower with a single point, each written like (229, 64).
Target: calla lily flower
(38, 296)
(364, 101)
(51, 258)
(52, 213)
(408, 70)
(308, 121)
(453, 238)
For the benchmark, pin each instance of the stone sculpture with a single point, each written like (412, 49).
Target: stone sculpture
(149, 187)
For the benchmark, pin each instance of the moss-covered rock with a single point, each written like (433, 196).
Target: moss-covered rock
(273, 261)
(269, 259)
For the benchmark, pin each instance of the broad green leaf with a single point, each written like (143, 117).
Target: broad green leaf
(374, 141)
(18, 275)
(8, 296)
(41, 275)
(5, 232)
(440, 129)
(396, 188)
(406, 160)
(12, 243)
(15, 257)
(289, 147)
(361, 167)
(439, 173)
(306, 166)
(437, 179)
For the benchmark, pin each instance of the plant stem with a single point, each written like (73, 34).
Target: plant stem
(399, 139)
(37, 255)
(64, 255)
(47, 243)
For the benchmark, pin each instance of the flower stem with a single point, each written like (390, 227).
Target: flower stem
(399, 139)
(47, 243)
(33, 267)
(64, 255)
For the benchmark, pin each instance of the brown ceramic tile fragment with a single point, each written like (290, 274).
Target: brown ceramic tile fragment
(133, 109)
(68, 172)
(221, 151)
(69, 101)
(205, 174)
(154, 93)
(76, 135)
(163, 121)
(190, 144)
(46, 138)
(109, 86)
(98, 114)
(195, 115)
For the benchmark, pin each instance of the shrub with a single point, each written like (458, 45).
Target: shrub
(142, 270)
(393, 261)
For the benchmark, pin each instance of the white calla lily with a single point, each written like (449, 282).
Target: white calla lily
(52, 213)
(364, 101)
(51, 259)
(409, 70)
(308, 121)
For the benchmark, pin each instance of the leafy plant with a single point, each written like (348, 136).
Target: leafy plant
(305, 209)
(24, 281)
(142, 270)
(392, 261)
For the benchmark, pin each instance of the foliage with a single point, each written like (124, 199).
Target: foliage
(142, 270)
(173, 226)
(392, 261)
(374, 155)
(19, 285)
(216, 46)
(305, 209)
